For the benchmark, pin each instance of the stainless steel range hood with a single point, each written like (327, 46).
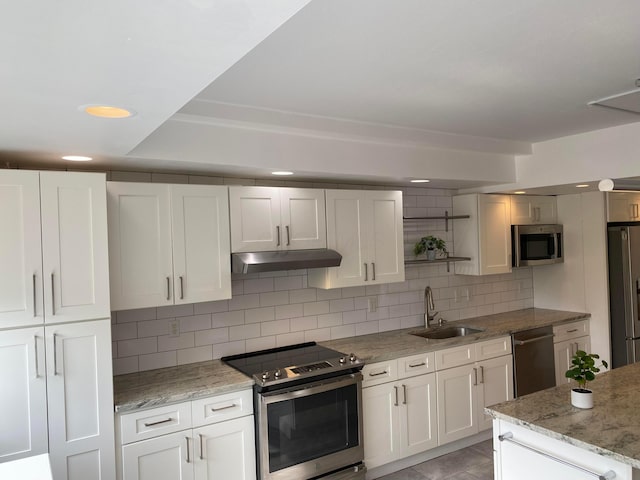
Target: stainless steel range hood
(256, 262)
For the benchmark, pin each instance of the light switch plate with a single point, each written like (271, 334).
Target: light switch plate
(174, 328)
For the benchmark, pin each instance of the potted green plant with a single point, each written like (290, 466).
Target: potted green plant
(430, 245)
(583, 369)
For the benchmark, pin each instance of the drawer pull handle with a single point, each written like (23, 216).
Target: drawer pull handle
(201, 446)
(151, 424)
(188, 452)
(384, 372)
(508, 437)
(572, 331)
(213, 409)
(414, 365)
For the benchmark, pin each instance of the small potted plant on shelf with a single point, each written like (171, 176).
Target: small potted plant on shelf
(583, 370)
(430, 245)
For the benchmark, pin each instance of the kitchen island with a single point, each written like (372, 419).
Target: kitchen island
(535, 433)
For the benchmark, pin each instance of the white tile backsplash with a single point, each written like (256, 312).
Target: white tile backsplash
(276, 309)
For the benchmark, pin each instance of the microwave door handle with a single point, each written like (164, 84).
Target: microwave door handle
(555, 246)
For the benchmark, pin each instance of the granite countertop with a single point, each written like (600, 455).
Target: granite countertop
(611, 428)
(384, 346)
(154, 388)
(188, 382)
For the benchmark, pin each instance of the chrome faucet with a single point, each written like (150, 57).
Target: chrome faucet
(428, 306)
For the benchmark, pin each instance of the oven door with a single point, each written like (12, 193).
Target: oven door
(311, 429)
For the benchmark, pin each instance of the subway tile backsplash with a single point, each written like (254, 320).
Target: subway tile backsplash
(275, 309)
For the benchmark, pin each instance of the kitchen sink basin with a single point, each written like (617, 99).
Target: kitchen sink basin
(447, 332)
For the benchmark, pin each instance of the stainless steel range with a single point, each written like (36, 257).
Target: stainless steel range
(308, 406)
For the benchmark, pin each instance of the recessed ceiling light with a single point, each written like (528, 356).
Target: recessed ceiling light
(107, 111)
(420, 180)
(582, 185)
(282, 173)
(520, 192)
(77, 158)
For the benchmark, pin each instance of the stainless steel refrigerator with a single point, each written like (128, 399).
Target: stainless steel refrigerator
(624, 293)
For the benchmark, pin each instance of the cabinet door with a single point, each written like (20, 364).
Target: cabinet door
(139, 245)
(20, 249)
(74, 246)
(346, 234)
(380, 424)
(544, 209)
(80, 400)
(255, 219)
(384, 232)
(201, 252)
(303, 222)
(23, 401)
(495, 385)
(521, 210)
(623, 207)
(564, 352)
(226, 450)
(457, 403)
(494, 215)
(160, 458)
(419, 421)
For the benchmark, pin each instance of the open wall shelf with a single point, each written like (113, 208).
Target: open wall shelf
(446, 217)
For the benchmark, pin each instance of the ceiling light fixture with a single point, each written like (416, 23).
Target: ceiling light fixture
(582, 185)
(107, 111)
(609, 185)
(520, 192)
(77, 158)
(282, 173)
(420, 180)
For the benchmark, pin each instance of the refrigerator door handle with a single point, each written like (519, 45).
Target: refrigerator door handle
(633, 338)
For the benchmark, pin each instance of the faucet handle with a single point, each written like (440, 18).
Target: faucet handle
(441, 321)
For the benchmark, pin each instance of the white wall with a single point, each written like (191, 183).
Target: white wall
(580, 283)
(587, 157)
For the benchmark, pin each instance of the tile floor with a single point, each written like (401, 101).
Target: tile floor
(471, 463)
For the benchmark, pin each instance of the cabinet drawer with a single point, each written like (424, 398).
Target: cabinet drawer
(416, 365)
(222, 407)
(493, 348)
(454, 357)
(570, 330)
(156, 421)
(378, 373)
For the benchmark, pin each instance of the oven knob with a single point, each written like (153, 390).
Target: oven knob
(342, 360)
(265, 375)
(352, 358)
(277, 373)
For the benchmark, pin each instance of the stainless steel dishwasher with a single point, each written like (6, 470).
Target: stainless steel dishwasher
(533, 360)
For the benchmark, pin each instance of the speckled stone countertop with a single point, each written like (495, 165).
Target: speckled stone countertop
(187, 382)
(384, 346)
(154, 388)
(611, 428)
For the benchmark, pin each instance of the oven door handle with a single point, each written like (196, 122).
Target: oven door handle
(310, 388)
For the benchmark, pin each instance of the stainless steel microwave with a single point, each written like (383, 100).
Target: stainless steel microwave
(536, 245)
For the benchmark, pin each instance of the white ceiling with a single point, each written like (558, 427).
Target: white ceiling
(516, 72)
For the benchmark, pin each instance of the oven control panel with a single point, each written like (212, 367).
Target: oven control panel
(308, 370)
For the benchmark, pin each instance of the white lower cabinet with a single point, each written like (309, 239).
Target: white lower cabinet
(215, 440)
(61, 398)
(464, 390)
(568, 339)
(399, 418)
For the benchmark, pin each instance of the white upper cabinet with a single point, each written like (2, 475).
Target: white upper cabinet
(168, 244)
(200, 227)
(485, 237)
(623, 206)
(53, 251)
(365, 227)
(20, 249)
(74, 246)
(533, 209)
(271, 218)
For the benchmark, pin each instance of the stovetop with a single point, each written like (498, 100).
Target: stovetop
(295, 362)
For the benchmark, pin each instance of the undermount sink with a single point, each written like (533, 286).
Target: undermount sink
(447, 332)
